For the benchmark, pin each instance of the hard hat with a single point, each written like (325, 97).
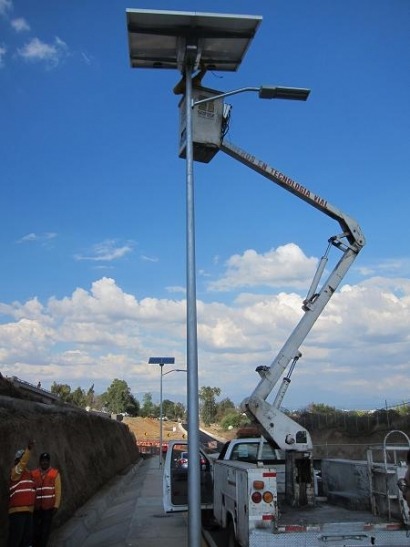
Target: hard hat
(19, 454)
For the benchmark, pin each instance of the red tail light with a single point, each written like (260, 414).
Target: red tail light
(256, 497)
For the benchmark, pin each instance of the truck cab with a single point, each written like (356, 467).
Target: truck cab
(257, 451)
(252, 450)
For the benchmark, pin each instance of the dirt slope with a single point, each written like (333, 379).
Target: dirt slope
(88, 450)
(148, 429)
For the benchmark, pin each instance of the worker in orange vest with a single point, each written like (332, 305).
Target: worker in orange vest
(47, 483)
(22, 497)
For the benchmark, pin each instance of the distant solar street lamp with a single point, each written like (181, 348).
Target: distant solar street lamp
(161, 361)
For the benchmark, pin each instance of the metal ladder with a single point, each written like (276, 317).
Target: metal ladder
(387, 489)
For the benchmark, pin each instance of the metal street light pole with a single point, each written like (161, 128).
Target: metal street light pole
(194, 478)
(160, 409)
(160, 419)
(161, 361)
(188, 41)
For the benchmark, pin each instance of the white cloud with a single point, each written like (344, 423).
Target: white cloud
(387, 267)
(176, 289)
(286, 266)
(355, 356)
(5, 6)
(20, 24)
(106, 251)
(88, 59)
(38, 51)
(146, 258)
(33, 237)
(3, 51)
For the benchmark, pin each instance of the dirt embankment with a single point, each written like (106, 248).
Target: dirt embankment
(148, 429)
(87, 449)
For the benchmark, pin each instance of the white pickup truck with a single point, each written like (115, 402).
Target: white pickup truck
(247, 504)
(252, 450)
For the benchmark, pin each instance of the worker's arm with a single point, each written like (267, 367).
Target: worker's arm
(57, 491)
(18, 469)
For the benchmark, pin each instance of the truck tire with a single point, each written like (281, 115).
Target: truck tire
(231, 536)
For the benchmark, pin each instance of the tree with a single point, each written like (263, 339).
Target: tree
(78, 398)
(208, 407)
(90, 397)
(224, 407)
(234, 419)
(168, 408)
(148, 408)
(133, 406)
(321, 408)
(62, 390)
(118, 398)
(179, 411)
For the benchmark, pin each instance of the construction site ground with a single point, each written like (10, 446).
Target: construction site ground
(149, 429)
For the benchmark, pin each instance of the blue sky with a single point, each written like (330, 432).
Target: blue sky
(93, 202)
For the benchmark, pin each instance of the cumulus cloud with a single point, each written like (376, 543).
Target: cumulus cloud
(286, 266)
(38, 51)
(388, 267)
(5, 6)
(20, 24)
(106, 251)
(102, 333)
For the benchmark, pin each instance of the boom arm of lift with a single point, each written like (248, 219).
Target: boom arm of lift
(278, 427)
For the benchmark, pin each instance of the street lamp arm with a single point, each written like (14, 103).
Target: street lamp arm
(175, 370)
(265, 92)
(227, 94)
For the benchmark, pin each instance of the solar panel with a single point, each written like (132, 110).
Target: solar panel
(154, 38)
(161, 360)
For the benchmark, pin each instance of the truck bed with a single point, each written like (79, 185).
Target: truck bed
(324, 513)
(331, 525)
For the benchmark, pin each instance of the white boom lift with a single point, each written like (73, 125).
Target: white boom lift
(276, 426)
(211, 120)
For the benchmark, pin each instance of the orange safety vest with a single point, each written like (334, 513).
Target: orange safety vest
(22, 491)
(45, 488)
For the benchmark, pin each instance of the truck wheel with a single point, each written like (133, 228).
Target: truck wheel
(231, 536)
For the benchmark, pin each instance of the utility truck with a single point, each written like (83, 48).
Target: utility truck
(273, 503)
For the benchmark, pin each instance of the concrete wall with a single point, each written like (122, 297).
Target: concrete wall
(346, 482)
(87, 449)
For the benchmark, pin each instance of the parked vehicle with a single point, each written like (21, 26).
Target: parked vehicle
(182, 461)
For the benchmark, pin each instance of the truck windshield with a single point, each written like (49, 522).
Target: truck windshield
(248, 452)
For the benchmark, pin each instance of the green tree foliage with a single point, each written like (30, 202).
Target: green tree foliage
(173, 411)
(148, 408)
(118, 398)
(78, 398)
(234, 420)
(179, 411)
(63, 391)
(168, 408)
(321, 408)
(208, 410)
(90, 397)
(223, 408)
